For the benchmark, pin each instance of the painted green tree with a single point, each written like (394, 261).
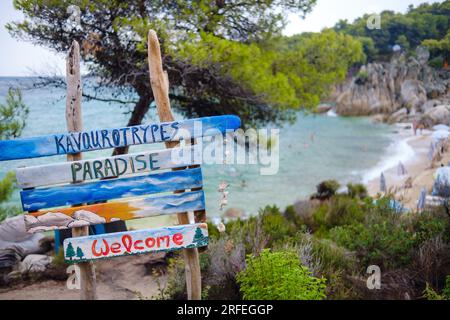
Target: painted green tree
(70, 252)
(80, 253)
(199, 238)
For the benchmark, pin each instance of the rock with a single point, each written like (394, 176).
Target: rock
(429, 104)
(398, 116)
(14, 235)
(384, 88)
(413, 94)
(34, 263)
(88, 216)
(50, 219)
(234, 213)
(78, 223)
(323, 108)
(436, 115)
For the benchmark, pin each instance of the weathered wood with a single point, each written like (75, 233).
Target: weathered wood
(74, 124)
(119, 244)
(122, 165)
(112, 211)
(71, 194)
(83, 141)
(160, 87)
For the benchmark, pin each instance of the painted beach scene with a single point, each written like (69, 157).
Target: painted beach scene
(186, 150)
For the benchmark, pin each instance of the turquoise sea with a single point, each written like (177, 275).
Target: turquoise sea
(315, 148)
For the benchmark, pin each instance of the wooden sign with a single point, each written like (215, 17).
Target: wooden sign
(112, 211)
(88, 248)
(76, 142)
(36, 199)
(108, 167)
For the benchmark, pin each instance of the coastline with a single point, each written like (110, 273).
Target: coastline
(414, 156)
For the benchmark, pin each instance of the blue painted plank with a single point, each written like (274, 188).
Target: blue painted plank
(36, 199)
(68, 143)
(81, 249)
(96, 214)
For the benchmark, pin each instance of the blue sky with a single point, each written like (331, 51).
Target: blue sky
(18, 58)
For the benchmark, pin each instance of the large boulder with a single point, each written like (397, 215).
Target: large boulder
(13, 235)
(398, 116)
(437, 115)
(413, 94)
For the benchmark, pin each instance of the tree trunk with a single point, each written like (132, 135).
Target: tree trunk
(140, 110)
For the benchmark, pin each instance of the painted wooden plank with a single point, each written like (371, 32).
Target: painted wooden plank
(112, 211)
(107, 167)
(37, 199)
(119, 244)
(75, 142)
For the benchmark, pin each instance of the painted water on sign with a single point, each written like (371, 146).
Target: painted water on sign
(135, 242)
(112, 211)
(342, 148)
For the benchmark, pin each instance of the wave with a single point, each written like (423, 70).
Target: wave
(397, 151)
(331, 113)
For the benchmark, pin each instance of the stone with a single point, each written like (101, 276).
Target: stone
(234, 213)
(412, 94)
(34, 263)
(398, 116)
(437, 115)
(323, 108)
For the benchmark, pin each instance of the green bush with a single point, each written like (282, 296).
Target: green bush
(326, 189)
(357, 190)
(279, 276)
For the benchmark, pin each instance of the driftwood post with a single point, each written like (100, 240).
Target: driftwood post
(75, 124)
(159, 83)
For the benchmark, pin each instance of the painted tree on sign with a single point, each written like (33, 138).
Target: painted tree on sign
(80, 253)
(70, 253)
(199, 238)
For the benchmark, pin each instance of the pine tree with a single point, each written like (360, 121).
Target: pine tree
(80, 253)
(70, 253)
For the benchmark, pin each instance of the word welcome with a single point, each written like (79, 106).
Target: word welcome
(135, 242)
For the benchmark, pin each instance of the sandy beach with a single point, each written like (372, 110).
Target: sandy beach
(418, 167)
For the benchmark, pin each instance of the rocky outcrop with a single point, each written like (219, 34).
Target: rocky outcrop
(403, 89)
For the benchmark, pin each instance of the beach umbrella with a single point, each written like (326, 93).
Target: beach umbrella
(401, 170)
(382, 183)
(422, 197)
(441, 127)
(440, 135)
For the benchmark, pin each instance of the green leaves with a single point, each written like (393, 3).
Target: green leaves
(12, 115)
(279, 276)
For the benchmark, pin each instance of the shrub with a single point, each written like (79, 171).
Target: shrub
(326, 189)
(279, 276)
(357, 190)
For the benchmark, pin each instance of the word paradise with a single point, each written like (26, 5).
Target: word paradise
(135, 242)
(114, 167)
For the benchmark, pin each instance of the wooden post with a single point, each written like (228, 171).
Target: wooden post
(160, 87)
(75, 124)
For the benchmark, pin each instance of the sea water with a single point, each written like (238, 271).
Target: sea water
(313, 149)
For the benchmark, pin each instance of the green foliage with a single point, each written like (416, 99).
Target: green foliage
(385, 238)
(426, 21)
(12, 115)
(440, 49)
(430, 294)
(7, 185)
(326, 189)
(357, 190)
(210, 49)
(279, 276)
